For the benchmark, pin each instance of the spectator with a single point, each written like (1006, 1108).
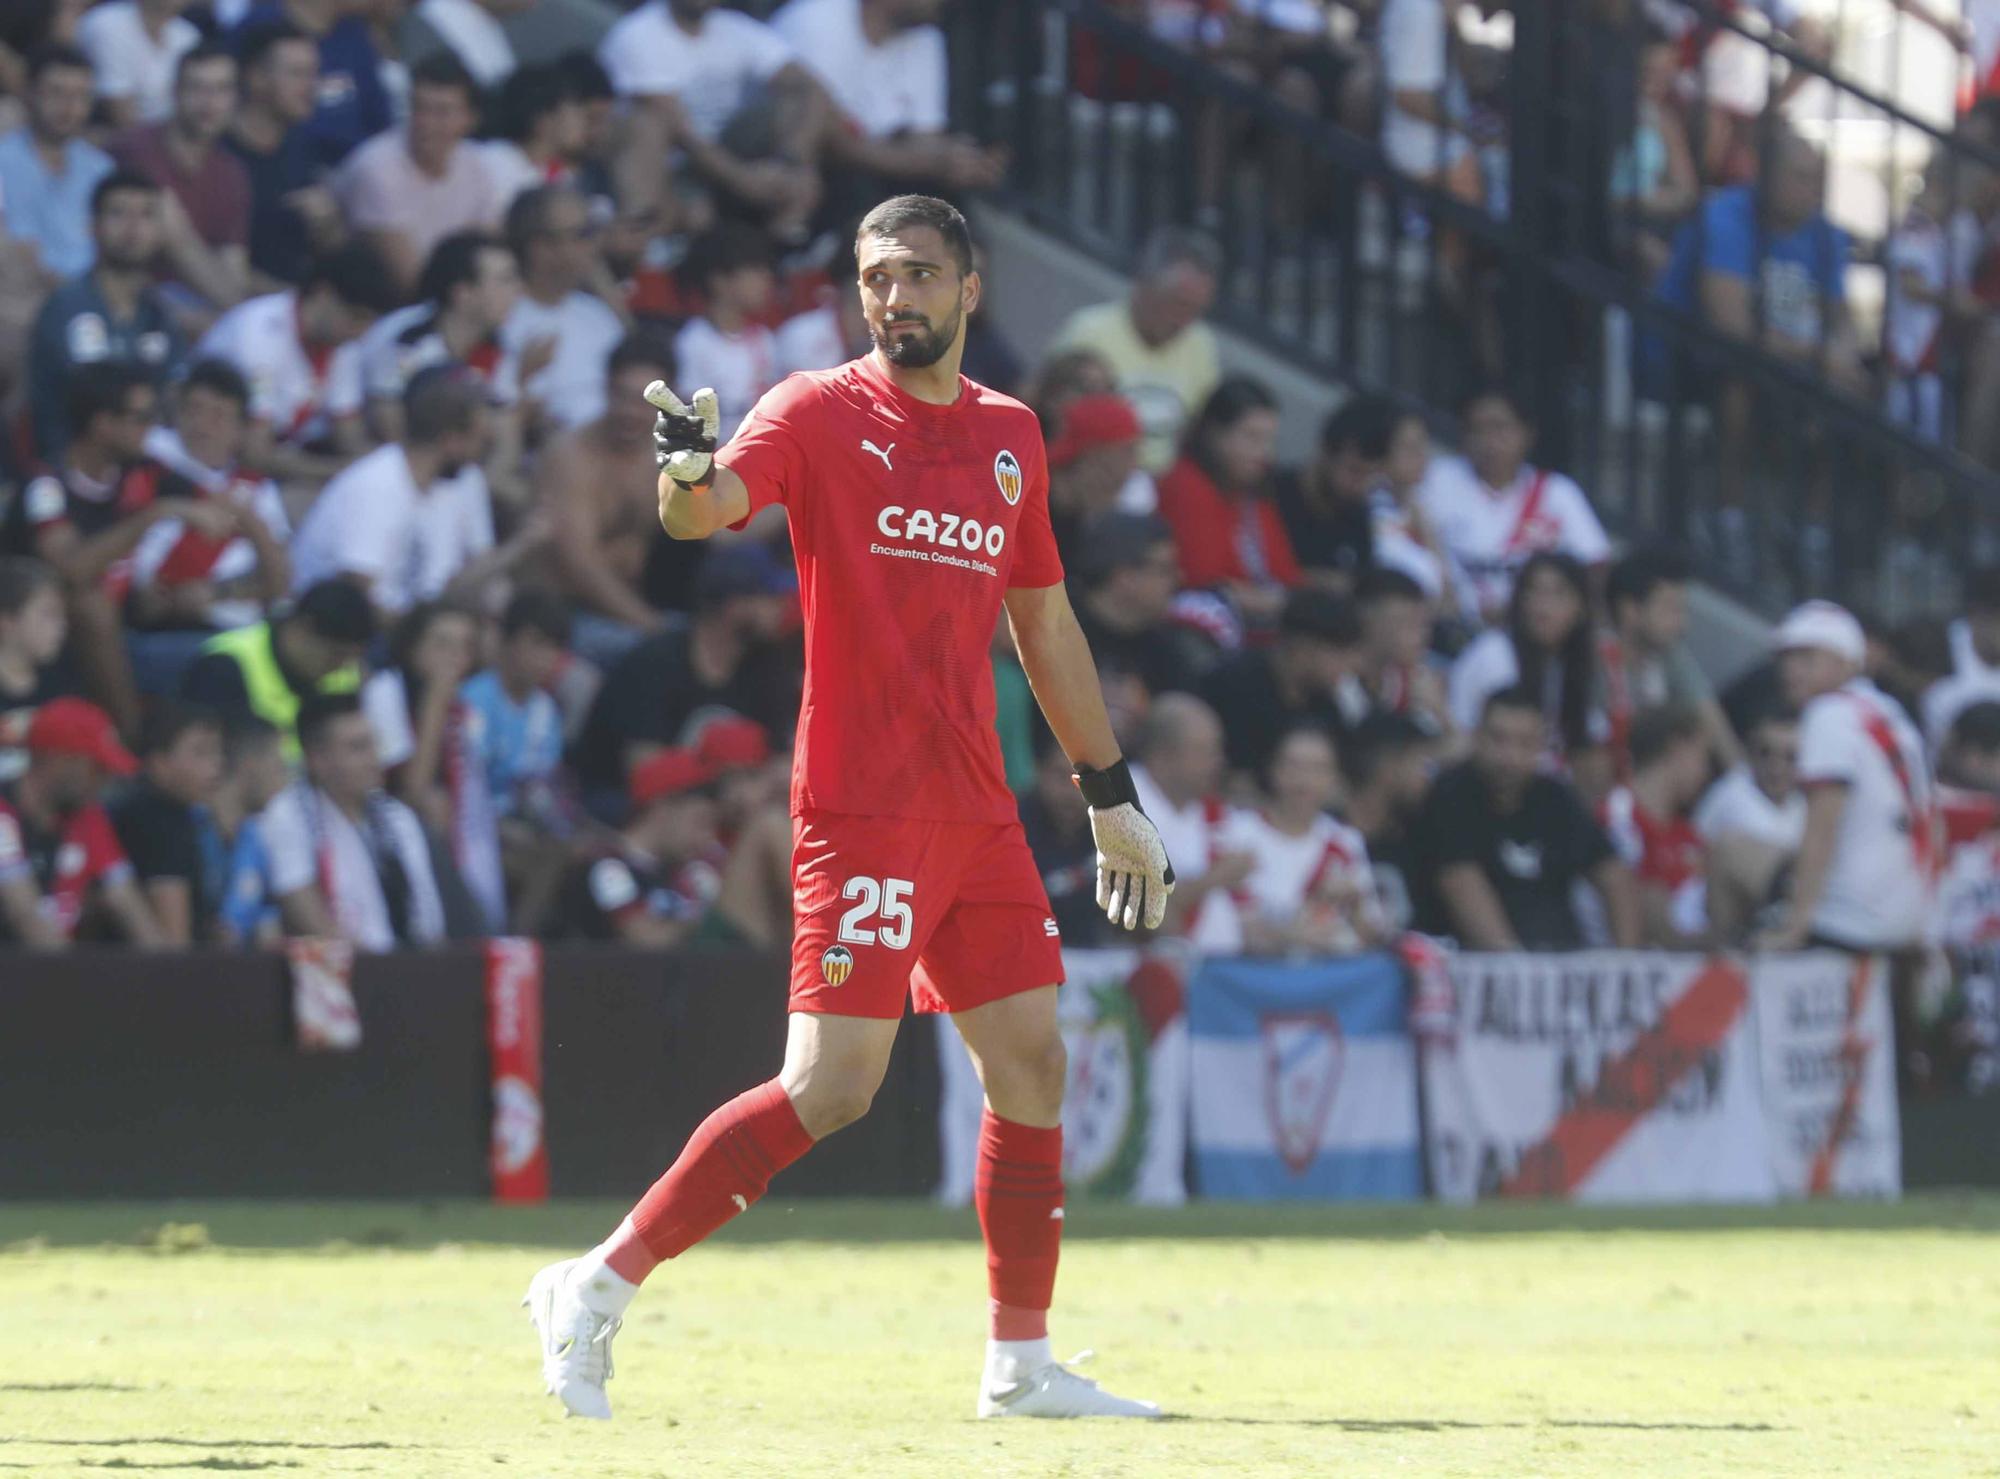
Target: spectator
(1217, 499)
(1404, 537)
(134, 45)
(1760, 797)
(1327, 506)
(1094, 469)
(1056, 822)
(1395, 674)
(266, 672)
(181, 577)
(425, 741)
(48, 172)
(1863, 881)
(1648, 824)
(470, 30)
(1386, 761)
(165, 826)
(1974, 641)
(726, 657)
(655, 879)
(1309, 891)
(1427, 130)
(989, 358)
(60, 862)
(253, 773)
(1503, 846)
(1643, 656)
(407, 189)
(351, 104)
(33, 624)
(1163, 355)
(401, 521)
(883, 63)
(755, 904)
(110, 313)
(541, 132)
(1654, 182)
(727, 346)
(1547, 649)
(516, 728)
(1931, 257)
(1178, 776)
(1128, 574)
(1296, 681)
(299, 352)
(293, 217)
(600, 486)
(1492, 508)
(549, 229)
(833, 333)
(206, 202)
(346, 860)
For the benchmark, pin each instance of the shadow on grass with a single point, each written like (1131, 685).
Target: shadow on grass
(174, 1229)
(210, 1443)
(1454, 1425)
(68, 1386)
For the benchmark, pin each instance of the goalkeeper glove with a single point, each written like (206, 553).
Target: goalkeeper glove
(684, 436)
(1133, 874)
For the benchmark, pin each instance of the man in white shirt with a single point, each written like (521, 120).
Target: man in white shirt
(1866, 872)
(1975, 657)
(549, 229)
(728, 347)
(1759, 799)
(134, 46)
(404, 521)
(299, 351)
(1492, 508)
(1178, 776)
(346, 859)
(470, 30)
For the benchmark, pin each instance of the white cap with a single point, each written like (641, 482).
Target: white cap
(1827, 627)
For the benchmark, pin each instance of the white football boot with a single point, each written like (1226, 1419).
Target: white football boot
(576, 1342)
(1053, 1390)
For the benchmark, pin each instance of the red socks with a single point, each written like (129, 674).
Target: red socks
(725, 1166)
(1019, 1192)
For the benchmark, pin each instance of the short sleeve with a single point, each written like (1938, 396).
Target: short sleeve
(1036, 561)
(366, 197)
(1583, 536)
(1727, 247)
(1443, 837)
(768, 451)
(158, 847)
(288, 844)
(111, 55)
(1829, 743)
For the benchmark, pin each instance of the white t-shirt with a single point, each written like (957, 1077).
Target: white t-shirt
(1735, 806)
(896, 87)
(474, 36)
(741, 366)
(1492, 532)
(1965, 658)
(509, 168)
(399, 345)
(372, 520)
(1416, 57)
(1487, 665)
(128, 62)
(1942, 259)
(1880, 885)
(570, 387)
(313, 844)
(1193, 834)
(299, 395)
(1949, 697)
(712, 72)
(1289, 869)
(811, 341)
(170, 552)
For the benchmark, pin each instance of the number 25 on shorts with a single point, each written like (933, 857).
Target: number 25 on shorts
(885, 900)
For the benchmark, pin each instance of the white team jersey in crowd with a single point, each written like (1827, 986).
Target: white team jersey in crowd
(570, 387)
(1965, 657)
(372, 520)
(811, 341)
(898, 86)
(398, 346)
(1290, 870)
(1736, 807)
(1941, 259)
(1880, 886)
(712, 72)
(740, 366)
(297, 393)
(1193, 835)
(312, 843)
(128, 63)
(171, 553)
(1949, 697)
(1487, 665)
(1491, 532)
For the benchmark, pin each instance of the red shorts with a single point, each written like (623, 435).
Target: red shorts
(952, 913)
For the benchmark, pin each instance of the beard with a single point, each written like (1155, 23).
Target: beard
(916, 351)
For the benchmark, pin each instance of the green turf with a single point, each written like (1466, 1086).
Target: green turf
(843, 1340)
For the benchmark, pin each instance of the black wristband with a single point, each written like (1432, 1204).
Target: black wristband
(1109, 787)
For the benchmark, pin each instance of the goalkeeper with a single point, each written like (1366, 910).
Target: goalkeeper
(918, 503)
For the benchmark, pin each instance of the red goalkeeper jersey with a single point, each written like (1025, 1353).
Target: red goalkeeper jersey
(909, 523)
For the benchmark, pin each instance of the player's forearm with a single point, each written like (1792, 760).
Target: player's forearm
(1056, 657)
(696, 513)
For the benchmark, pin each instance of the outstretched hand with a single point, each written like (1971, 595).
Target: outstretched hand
(685, 436)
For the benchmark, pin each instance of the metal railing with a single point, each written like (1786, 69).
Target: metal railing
(1738, 444)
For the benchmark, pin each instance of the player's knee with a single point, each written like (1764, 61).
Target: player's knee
(826, 1103)
(1034, 1080)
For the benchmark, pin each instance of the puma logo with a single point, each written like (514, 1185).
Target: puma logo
(742, 1204)
(868, 446)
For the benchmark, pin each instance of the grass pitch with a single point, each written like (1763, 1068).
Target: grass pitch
(822, 1339)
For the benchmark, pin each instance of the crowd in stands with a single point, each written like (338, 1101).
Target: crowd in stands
(333, 599)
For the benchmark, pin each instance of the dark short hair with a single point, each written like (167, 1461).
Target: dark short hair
(439, 401)
(321, 711)
(409, 632)
(121, 181)
(243, 733)
(1515, 697)
(168, 719)
(1115, 541)
(337, 610)
(536, 611)
(1657, 730)
(1493, 390)
(1377, 740)
(444, 69)
(218, 377)
(899, 212)
(530, 94)
(641, 347)
(1306, 730)
(1380, 583)
(1320, 616)
(528, 216)
(1235, 397)
(725, 248)
(587, 76)
(22, 578)
(1179, 246)
(454, 262)
(1642, 572)
(51, 55)
(194, 56)
(1977, 727)
(357, 277)
(255, 45)
(1772, 711)
(1366, 423)
(100, 389)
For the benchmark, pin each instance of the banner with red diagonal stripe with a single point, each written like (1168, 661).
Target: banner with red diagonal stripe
(1828, 1042)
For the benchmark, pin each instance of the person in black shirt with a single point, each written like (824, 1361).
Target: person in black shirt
(727, 657)
(1327, 504)
(1057, 824)
(1263, 692)
(1386, 762)
(33, 625)
(292, 212)
(165, 826)
(652, 883)
(1501, 846)
(1128, 574)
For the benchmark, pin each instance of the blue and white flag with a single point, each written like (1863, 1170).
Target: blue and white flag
(1304, 1080)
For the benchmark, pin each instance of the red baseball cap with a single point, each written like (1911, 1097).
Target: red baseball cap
(70, 726)
(668, 773)
(733, 744)
(1092, 421)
